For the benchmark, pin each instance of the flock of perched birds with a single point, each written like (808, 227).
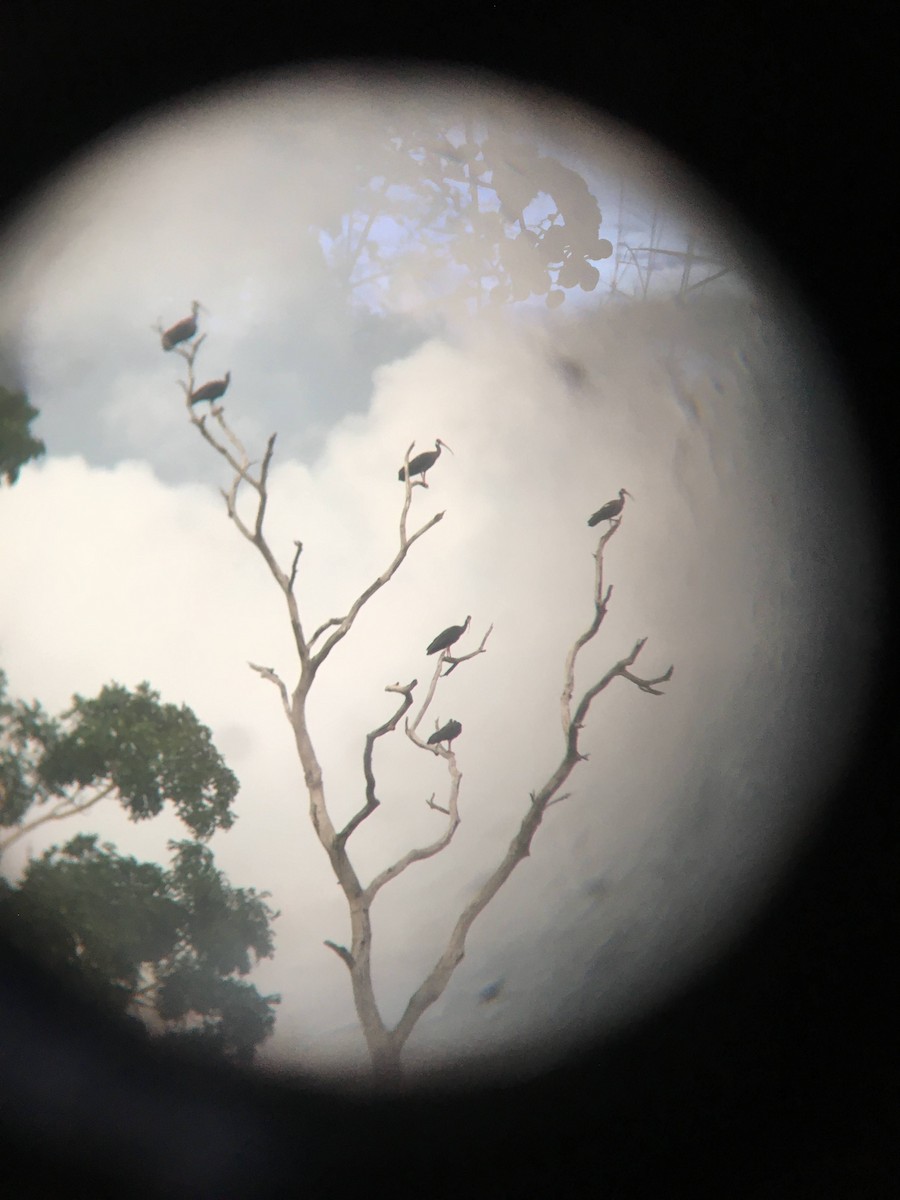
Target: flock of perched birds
(184, 330)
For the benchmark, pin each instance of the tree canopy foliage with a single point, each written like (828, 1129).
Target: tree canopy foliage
(479, 218)
(167, 945)
(122, 743)
(138, 939)
(17, 445)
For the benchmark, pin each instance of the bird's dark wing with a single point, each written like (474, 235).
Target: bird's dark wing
(439, 642)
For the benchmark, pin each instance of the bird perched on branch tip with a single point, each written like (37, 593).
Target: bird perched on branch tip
(611, 509)
(183, 330)
(447, 637)
(211, 391)
(422, 463)
(446, 733)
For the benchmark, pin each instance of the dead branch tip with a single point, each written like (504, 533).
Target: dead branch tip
(343, 953)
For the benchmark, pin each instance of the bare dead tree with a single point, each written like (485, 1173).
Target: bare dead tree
(385, 1044)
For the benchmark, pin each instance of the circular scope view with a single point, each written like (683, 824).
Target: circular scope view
(437, 577)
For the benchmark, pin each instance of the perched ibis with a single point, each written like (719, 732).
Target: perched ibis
(445, 640)
(212, 390)
(422, 463)
(446, 733)
(183, 330)
(611, 509)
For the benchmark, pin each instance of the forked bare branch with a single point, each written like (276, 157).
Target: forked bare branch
(422, 852)
(372, 801)
(601, 603)
(452, 809)
(455, 660)
(230, 447)
(325, 625)
(432, 987)
(293, 576)
(426, 703)
(345, 624)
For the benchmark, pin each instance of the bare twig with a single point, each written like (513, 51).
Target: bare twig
(452, 809)
(601, 603)
(621, 668)
(344, 624)
(298, 551)
(429, 696)
(263, 489)
(64, 807)
(454, 661)
(270, 674)
(235, 454)
(435, 847)
(372, 802)
(327, 625)
(342, 952)
(646, 685)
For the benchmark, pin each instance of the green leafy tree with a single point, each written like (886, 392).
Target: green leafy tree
(123, 745)
(167, 945)
(17, 445)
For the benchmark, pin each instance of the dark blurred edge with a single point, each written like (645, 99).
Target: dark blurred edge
(772, 1076)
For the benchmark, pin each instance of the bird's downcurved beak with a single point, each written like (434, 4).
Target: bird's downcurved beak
(627, 493)
(446, 447)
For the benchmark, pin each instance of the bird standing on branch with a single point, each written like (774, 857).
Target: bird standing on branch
(423, 462)
(611, 509)
(212, 390)
(445, 640)
(446, 733)
(183, 330)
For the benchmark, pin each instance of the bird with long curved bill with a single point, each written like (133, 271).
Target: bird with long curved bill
(611, 509)
(182, 331)
(422, 463)
(447, 637)
(211, 391)
(446, 733)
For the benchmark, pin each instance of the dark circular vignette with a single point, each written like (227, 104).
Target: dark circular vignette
(768, 1076)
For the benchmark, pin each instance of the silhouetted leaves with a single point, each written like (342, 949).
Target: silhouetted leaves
(224, 923)
(17, 445)
(25, 732)
(137, 938)
(518, 223)
(152, 753)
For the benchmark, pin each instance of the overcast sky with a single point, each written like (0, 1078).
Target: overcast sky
(733, 559)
